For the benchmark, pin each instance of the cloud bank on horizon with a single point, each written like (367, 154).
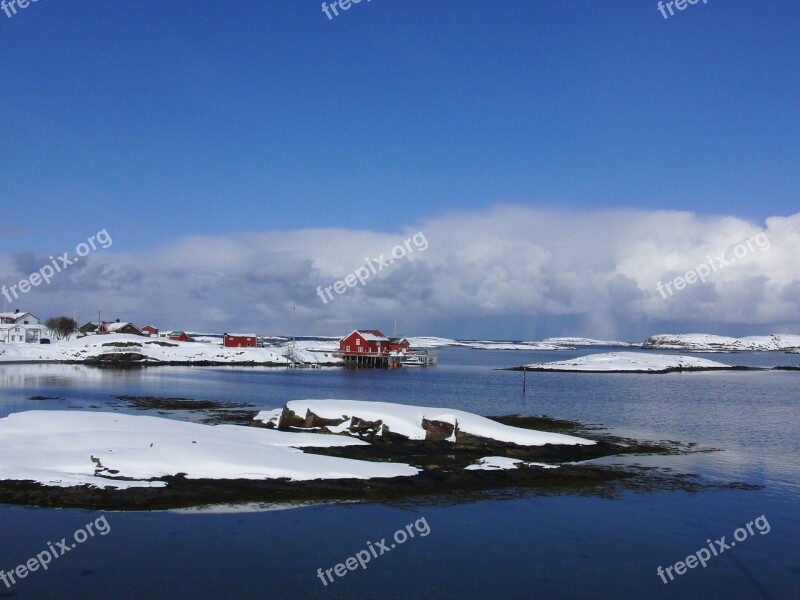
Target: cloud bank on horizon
(508, 272)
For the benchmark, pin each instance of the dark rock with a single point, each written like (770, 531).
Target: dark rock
(437, 431)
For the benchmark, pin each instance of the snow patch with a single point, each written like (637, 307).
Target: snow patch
(70, 448)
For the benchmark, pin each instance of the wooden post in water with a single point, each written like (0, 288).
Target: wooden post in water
(524, 372)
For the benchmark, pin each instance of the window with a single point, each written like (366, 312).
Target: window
(358, 341)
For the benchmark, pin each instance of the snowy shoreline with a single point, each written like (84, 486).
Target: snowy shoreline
(125, 350)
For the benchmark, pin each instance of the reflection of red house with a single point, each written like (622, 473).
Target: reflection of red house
(239, 340)
(371, 342)
(150, 330)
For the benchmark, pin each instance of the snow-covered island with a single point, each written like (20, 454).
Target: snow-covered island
(630, 362)
(115, 348)
(307, 450)
(438, 342)
(578, 341)
(703, 342)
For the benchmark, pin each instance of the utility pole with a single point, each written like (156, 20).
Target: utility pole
(294, 327)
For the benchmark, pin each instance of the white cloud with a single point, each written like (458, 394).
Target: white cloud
(510, 271)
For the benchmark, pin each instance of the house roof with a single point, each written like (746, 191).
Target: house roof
(16, 315)
(117, 326)
(371, 335)
(240, 335)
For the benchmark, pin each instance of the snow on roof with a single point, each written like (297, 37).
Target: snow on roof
(69, 448)
(16, 316)
(117, 326)
(370, 335)
(407, 421)
(241, 335)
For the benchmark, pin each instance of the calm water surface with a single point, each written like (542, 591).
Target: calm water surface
(532, 547)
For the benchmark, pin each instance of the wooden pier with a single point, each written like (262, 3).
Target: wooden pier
(389, 360)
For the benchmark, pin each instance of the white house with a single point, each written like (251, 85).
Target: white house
(20, 328)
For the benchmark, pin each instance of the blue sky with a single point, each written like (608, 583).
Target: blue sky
(162, 121)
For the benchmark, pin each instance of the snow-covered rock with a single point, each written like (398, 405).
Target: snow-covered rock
(630, 362)
(377, 419)
(71, 448)
(703, 342)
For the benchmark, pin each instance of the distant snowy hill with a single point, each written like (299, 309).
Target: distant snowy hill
(703, 342)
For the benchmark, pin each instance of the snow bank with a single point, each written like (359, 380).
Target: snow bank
(69, 448)
(408, 421)
(620, 362)
(703, 342)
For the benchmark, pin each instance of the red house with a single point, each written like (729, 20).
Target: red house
(240, 340)
(150, 330)
(179, 336)
(399, 345)
(364, 341)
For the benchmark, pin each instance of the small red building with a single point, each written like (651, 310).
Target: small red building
(399, 345)
(179, 336)
(150, 330)
(240, 340)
